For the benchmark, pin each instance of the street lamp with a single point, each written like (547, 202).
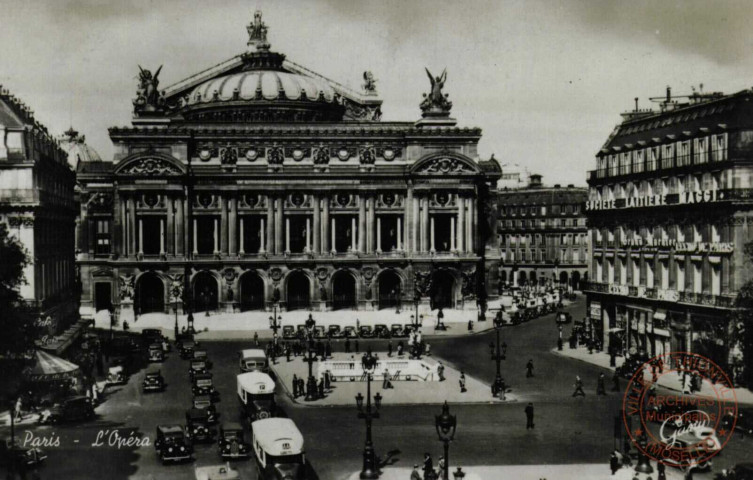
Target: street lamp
(370, 468)
(416, 301)
(498, 387)
(446, 425)
(311, 382)
(275, 321)
(397, 301)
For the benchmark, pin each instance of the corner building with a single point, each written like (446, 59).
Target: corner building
(258, 182)
(669, 212)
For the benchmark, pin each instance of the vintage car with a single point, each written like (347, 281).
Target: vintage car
(349, 332)
(396, 330)
(15, 454)
(288, 332)
(381, 331)
(171, 444)
(334, 331)
(278, 449)
(197, 367)
(198, 426)
(186, 349)
(201, 354)
(216, 472)
(203, 385)
(182, 337)
(301, 330)
(150, 336)
(231, 444)
(252, 359)
(407, 329)
(319, 331)
(205, 402)
(153, 382)
(70, 410)
(256, 395)
(366, 331)
(117, 375)
(155, 353)
(563, 317)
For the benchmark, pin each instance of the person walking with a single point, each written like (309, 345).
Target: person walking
(462, 383)
(578, 387)
(441, 466)
(19, 406)
(600, 389)
(386, 384)
(328, 349)
(321, 388)
(389, 348)
(295, 386)
(327, 380)
(529, 416)
(256, 338)
(415, 475)
(428, 466)
(529, 369)
(440, 372)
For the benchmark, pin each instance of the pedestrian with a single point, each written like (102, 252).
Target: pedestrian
(614, 462)
(301, 387)
(400, 348)
(440, 372)
(578, 387)
(287, 351)
(462, 383)
(386, 381)
(428, 466)
(600, 389)
(661, 473)
(347, 345)
(19, 406)
(327, 380)
(559, 344)
(615, 382)
(441, 465)
(256, 338)
(529, 416)
(529, 369)
(415, 475)
(356, 345)
(328, 349)
(321, 388)
(295, 386)
(95, 393)
(389, 348)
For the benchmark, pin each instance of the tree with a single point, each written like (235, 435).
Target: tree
(17, 319)
(742, 328)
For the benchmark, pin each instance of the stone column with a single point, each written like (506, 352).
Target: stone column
(223, 225)
(262, 235)
(431, 233)
(132, 224)
(187, 218)
(161, 236)
(353, 235)
(379, 235)
(332, 232)
(425, 224)
(117, 225)
(170, 237)
(325, 226)
(270, 243)
(414, 227)
(287, 234)
(460, 229)
(407, 216)
(308, 234)
(233, 226)
(124, 227)
(216, 237)
(195, 234)
(361, 224)
(452, 234)
(242, 241)
(141, 237)
(179, 227)
(370, 225)
(470, 223)
(278, 225)
(399, 234)
(317, 233)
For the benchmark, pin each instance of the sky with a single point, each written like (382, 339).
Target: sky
(545, 80)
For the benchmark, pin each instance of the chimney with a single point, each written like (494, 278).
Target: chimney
(556, 185)
(636, 104)
(669, 94)
(534, 180)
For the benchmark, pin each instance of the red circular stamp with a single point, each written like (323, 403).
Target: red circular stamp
(680, 409)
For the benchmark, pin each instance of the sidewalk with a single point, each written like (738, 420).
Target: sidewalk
(669, 381)
(402, 393)
(234, 326)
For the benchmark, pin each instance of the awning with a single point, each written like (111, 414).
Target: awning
(660, 314)
(48, 367)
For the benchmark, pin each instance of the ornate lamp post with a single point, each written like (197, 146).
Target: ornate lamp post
(446, 425)
(275, 321)
(370, 468)
(311, 382)
(176, 294)
(414, 318)
(498, 355)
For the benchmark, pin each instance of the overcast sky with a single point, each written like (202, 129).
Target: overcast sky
(545, 80)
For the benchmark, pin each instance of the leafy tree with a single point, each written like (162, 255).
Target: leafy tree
(742, 329)
(16, 318)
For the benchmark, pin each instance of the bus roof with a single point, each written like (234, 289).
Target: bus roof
(256, 382)
(278, 436)
(253, 352)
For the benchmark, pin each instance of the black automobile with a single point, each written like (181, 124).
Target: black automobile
(198, 426)
(15, 454)
(366, 331)
(151, 336)
(381, 331)
(563, 317)
(205, 402)
(71, 409)
(197, 367)
(231, 443)
(288, 332)
(201, 354)
(186, 349)
(334, 331)
(183, 337)
(396, 330)
(203, 385)
(153, 382)
(171, 444)
(349, 332)
(319, 331)
(155, 353)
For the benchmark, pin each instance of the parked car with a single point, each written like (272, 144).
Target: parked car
(334, 331)
(182, 337)
(71, 409)
(381, 331)
(201, 354)
(216, 472)
(252, 359)
(300, 331)
(366, 331)
(198, 426)
(319, 331)
(15, 454)
(203, 385)
(396, 330)
(153, 382)
(231, 443)
(171, 444)
(288, 332)
(206, 402)
(197, 367)
(155, 353)
(563, 317)
(349, 332)
(150, 336)
(116, 375)
(186, 349)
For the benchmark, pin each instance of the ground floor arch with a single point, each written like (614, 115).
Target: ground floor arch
(390, 289)
(343, 290)
(298, 291)
(150, 293)
(576, 280)
(442, 294)
(563, 278)
(205, 292)
(251, 292)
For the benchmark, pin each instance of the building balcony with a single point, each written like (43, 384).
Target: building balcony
(648, 169)
(664, 295)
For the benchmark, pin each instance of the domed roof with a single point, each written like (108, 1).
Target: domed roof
(77, 149)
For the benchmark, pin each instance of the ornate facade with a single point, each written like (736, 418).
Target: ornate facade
(37, 205)
(543, 238)
(669, 212)
(258, 182)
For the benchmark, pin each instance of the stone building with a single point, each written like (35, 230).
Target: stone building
(670, 213)
(258, 182)
(542, 234)
(37, 205)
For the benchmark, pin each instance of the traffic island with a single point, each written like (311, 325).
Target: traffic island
(407, 388)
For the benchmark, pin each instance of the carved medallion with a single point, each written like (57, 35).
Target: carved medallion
(151, 166)
(251, 199)
(206, 200)
(297, 199)
(343, 199)
(276, 156)
(275, 274)
(229, 156)
(321, 156)
(151, 199)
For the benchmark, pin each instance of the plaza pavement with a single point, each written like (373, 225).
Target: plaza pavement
(402, 393)
(670, 381)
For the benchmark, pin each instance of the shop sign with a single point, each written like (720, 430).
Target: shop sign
(641, 291)
(667, 295)
(661, 331)
(702, 196)
(618, 289)
(595, 311)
